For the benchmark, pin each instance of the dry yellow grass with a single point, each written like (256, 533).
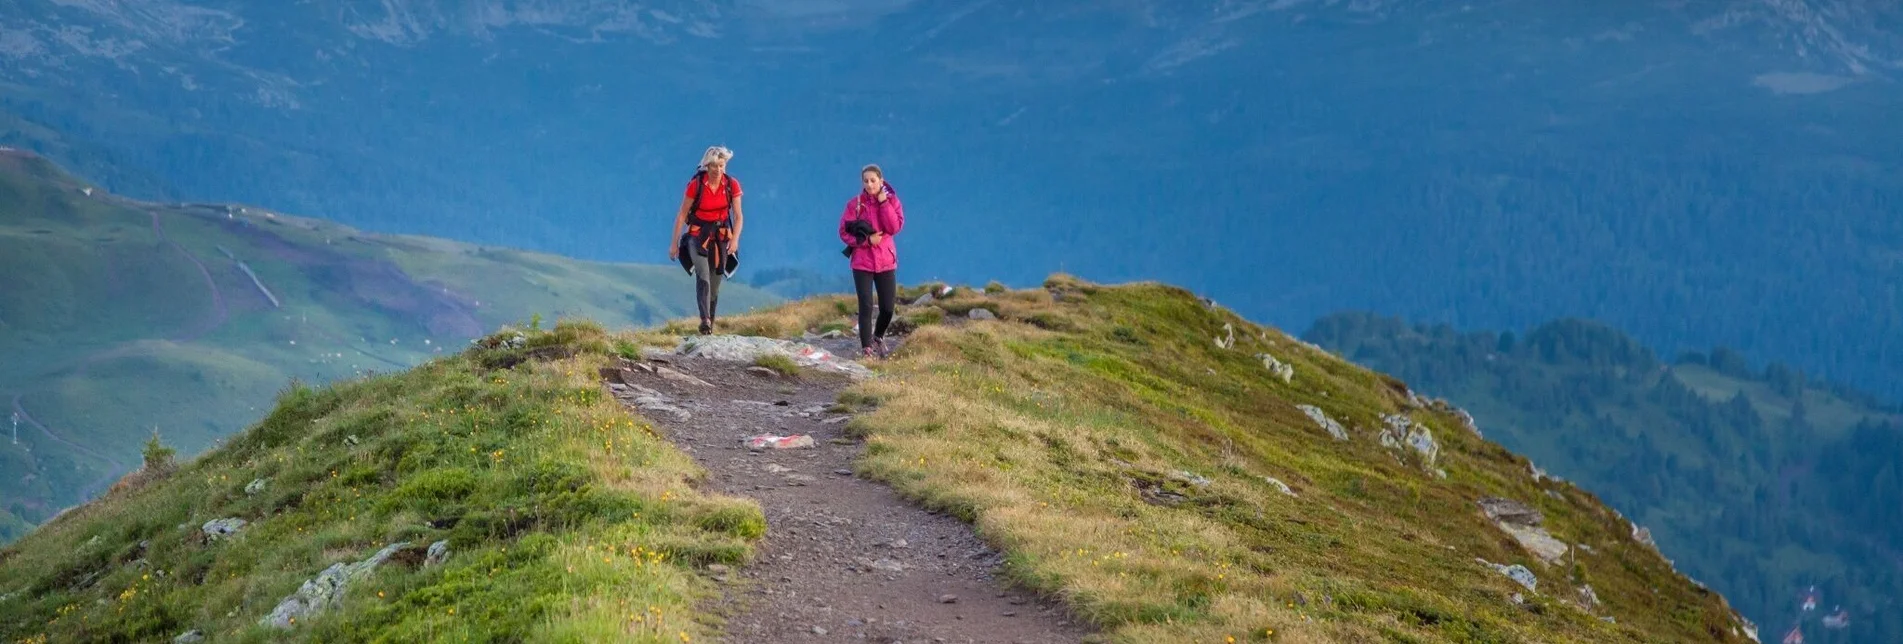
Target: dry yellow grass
(1076, 434)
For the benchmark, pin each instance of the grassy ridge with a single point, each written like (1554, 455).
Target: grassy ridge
(567, 519)
(1097, 435)
(111, 329)
(1076, 434)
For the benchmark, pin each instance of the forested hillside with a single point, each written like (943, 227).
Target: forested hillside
(1760, 482)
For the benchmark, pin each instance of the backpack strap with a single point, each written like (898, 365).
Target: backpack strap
(700, 184)
(727, 182)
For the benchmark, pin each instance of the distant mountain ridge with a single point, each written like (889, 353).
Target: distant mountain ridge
(1686, 170)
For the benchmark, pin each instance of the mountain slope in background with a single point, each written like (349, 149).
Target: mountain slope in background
(1166, 487)
(1762, 483)
(1670, 167)
(120, 317)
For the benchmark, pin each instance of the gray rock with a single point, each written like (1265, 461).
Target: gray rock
(437, 554)
(1501, 510)
(255, 486)
(1467, 420)
(1316, 414)
(1588, 598)
(924, 300)
(1418, 401)
(325, 590)
(981, 314)
(1522, 522)
(1399, 430)
(1228, 339)
(189, 637)
(887, 565)
(1279, 485)
(1642, 535)
(1516, 572)
(1191, 478)
(683, 378)
(1422, 441)
(1542, 475)
(1280, 370)
(222, 528)
(947, 599)
(735, 348)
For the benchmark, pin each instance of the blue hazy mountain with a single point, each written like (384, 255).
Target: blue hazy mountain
(1723, 172)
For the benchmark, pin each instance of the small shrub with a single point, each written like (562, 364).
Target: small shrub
(736, 518)
(158, 456)
(627, 349)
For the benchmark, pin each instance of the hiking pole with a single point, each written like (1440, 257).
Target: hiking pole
(16, 428)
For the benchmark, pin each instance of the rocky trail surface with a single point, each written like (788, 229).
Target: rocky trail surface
(844, 559)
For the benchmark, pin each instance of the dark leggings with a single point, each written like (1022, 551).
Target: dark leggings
(864, 282)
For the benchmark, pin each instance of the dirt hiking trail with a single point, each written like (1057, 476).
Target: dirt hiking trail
(844, 559)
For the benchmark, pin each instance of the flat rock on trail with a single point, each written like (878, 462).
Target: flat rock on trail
(844, 558)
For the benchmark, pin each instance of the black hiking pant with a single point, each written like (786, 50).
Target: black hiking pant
(886, 285)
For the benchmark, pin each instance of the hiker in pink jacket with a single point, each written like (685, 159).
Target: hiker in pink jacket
(872, 218)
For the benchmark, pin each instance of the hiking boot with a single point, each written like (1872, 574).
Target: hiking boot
(867, 353)
(879, 348)
(706, 327)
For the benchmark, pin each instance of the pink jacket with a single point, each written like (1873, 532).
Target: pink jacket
(887, 218)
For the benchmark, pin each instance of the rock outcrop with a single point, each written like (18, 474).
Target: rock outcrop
(1321, 418)
(734, 348)
(326, 589)
(1522, 522)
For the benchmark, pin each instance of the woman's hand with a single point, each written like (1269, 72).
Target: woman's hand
(674, 250)
(876, 238)
(882, 195)
(733, 247)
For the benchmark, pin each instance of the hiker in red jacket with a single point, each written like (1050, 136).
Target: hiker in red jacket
(872, 219)
(710, 215)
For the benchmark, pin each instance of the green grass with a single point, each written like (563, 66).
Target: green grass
(568, 519)
(95, 319)
(1050, 430)
(779, 364)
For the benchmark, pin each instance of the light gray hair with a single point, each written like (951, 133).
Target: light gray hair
(715, 153)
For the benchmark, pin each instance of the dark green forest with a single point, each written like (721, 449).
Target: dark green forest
(1760, 482)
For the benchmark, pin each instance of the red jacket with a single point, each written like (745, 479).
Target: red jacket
(887, 218)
